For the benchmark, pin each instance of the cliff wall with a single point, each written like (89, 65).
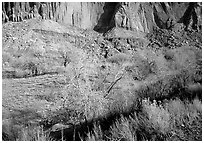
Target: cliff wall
(101, 16)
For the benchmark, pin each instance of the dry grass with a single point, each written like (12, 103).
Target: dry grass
(123, 130)
(158, 116)
(33, 134)
(24, 133)
(86, 79)
(173, 120)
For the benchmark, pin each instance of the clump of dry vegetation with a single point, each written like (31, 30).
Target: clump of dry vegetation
(173, 120)
(141, 95)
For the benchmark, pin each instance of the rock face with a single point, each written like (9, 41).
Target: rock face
(144, 16)
(83, 15)
(101, 16)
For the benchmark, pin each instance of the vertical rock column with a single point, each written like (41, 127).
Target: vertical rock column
(80, 14)
(130, 16)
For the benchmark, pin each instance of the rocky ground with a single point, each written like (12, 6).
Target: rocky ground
(59, 75)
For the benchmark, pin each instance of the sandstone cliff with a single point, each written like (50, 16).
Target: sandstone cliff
(101, 16)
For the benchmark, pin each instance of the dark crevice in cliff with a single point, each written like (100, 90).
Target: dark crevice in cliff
(104, 22)
(164, 7)
(31, 4)
(189, 13)
(6, 7)
(158, 21)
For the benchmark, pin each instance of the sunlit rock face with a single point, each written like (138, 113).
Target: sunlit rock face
(102, 16)
(144, 16)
